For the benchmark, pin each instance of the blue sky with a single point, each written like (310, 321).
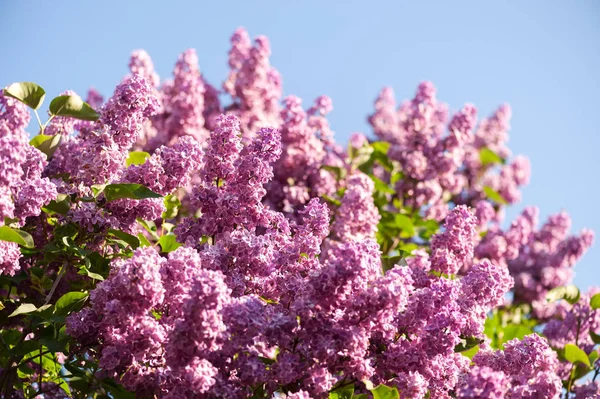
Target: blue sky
(542, 57)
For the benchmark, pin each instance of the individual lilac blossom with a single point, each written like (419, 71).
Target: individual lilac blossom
(32, 196)
(10, 255)
(254, 85)
(412, 385)
(12, 156)
(486, 284)
(357, 216)
(483, 382)
(141, 64)
(298, 173)
(223, 150)
(13, 113)
(451, 249)
(183, 100)
(125, 112)
(589, 390)
(200, 328)
(126, 211)
(530, 364)
(575, 325)
(168, 168)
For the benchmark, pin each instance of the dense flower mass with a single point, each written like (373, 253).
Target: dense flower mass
(183, 241)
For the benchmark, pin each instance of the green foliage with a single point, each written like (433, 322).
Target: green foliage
(385, 392)
(574, 354)
(137, 158)
(72, 106)
(168, 243)
(17, 236)
(488, 157)
(27, 92)
(494, 195)
(46, 144)
(128, 190)
(595, 301)
(569, 293)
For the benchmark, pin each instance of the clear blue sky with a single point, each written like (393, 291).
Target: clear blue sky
(542, 57)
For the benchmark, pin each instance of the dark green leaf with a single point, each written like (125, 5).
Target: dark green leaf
(574, 354)
(70, 302)
(61, 205)
(17, 236)
(128, 190)
(467, 343)
(72, 106)
(132, 240)
(385, 392)
(595, 301)
(168, 243)
(137, 158)
(488, 156)
(595, 337)
(494, 195)
(388, 262)
(27, 92)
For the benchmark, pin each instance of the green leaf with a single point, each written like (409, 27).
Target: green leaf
(488, 156)
(143, 240)
(70, 302)
(381, 146)
(467, 343)
(385, 392)
(595, 301)
(345, 392)
(574, 354)
(27, 92)
(128, 190)
(470, 352)
(338, 172)
(169, 243)
(494, 195)
(405, 224)
(388, 262)
(17, 236)
(97, 189)
(569, 293)
(24, 309)
(172, 205)
(74, 107)
(595, 337)
(137, 158)
(382, 186)
(512, 331)
(46, 144)
(61, 205)
(132, 240)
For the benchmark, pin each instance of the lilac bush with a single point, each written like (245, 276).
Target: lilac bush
(189, 240)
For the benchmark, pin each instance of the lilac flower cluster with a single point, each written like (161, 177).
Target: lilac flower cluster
(539, 260)
(23, 190)
(438, 166)
(277, 285)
